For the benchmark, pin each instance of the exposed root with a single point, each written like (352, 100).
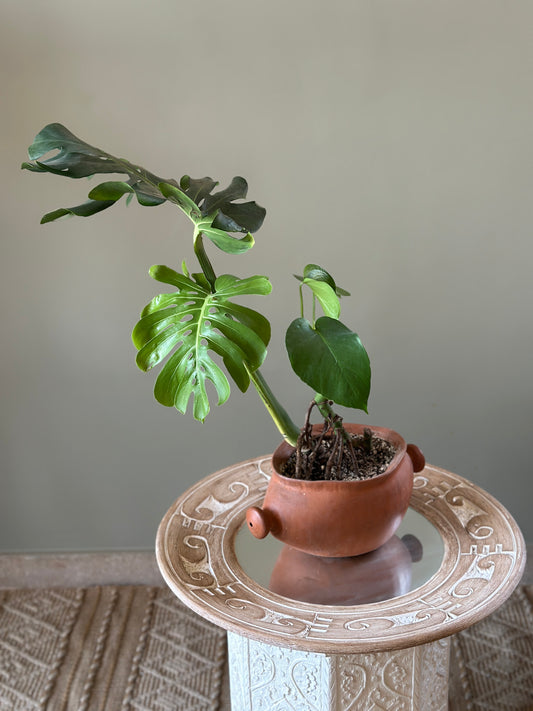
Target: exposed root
(340, 446)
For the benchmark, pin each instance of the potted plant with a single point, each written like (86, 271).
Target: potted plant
(337, 489)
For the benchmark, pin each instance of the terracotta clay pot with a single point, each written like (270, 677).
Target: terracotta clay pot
(338, 518)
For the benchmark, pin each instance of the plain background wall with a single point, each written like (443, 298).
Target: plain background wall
(389, 140)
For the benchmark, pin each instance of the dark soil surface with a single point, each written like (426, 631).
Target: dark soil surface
(373, 456)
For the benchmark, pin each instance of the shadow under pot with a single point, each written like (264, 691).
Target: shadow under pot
(338, 518)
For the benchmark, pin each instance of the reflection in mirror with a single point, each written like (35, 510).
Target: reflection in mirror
(372, 577)
(402, 564)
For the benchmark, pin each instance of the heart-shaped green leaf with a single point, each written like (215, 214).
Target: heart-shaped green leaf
(331, 359)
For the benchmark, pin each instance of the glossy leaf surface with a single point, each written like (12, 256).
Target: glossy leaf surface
(228, 244)
(192, 323)
(314, 271)
(331, 359)
(324, 289)
(74, 158)
(326, 296)
(318, 273)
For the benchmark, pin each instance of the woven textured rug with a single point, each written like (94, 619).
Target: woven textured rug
(491, 663)
(137, 648)
(107, 648)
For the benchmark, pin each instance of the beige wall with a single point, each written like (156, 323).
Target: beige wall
(390, 141)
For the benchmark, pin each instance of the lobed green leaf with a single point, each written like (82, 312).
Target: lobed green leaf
(236, 190)
(74, 158)
(188, 325)
(250, 318)
(197, 188)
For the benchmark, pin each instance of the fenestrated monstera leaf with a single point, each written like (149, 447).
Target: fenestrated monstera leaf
(77, 159)
(190, 323)
(230, 216)
(204, 224)
(74, 158)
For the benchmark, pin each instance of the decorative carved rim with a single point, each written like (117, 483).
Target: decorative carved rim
(484, 557)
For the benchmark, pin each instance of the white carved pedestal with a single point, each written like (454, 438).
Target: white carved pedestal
(264, 677)
(288, 655)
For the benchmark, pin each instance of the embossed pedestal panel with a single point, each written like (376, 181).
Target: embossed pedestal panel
(267, 678)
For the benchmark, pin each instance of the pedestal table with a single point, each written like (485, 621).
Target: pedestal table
(378, 636)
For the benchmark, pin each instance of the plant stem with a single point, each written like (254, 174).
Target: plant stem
(203, 259)
(282, 420)
(327, 412)
(324, 407)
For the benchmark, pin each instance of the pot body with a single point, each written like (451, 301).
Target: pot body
(338, 518)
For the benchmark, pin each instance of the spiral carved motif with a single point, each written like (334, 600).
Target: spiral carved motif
(482, 563)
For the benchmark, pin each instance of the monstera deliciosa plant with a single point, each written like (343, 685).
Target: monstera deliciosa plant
(199, 330)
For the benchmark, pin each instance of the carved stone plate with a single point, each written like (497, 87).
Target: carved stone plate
(484, 557)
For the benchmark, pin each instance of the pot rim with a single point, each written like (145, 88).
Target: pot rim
(284, 450)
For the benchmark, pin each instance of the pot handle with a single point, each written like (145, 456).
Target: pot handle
(416, 456)
(259, 522)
